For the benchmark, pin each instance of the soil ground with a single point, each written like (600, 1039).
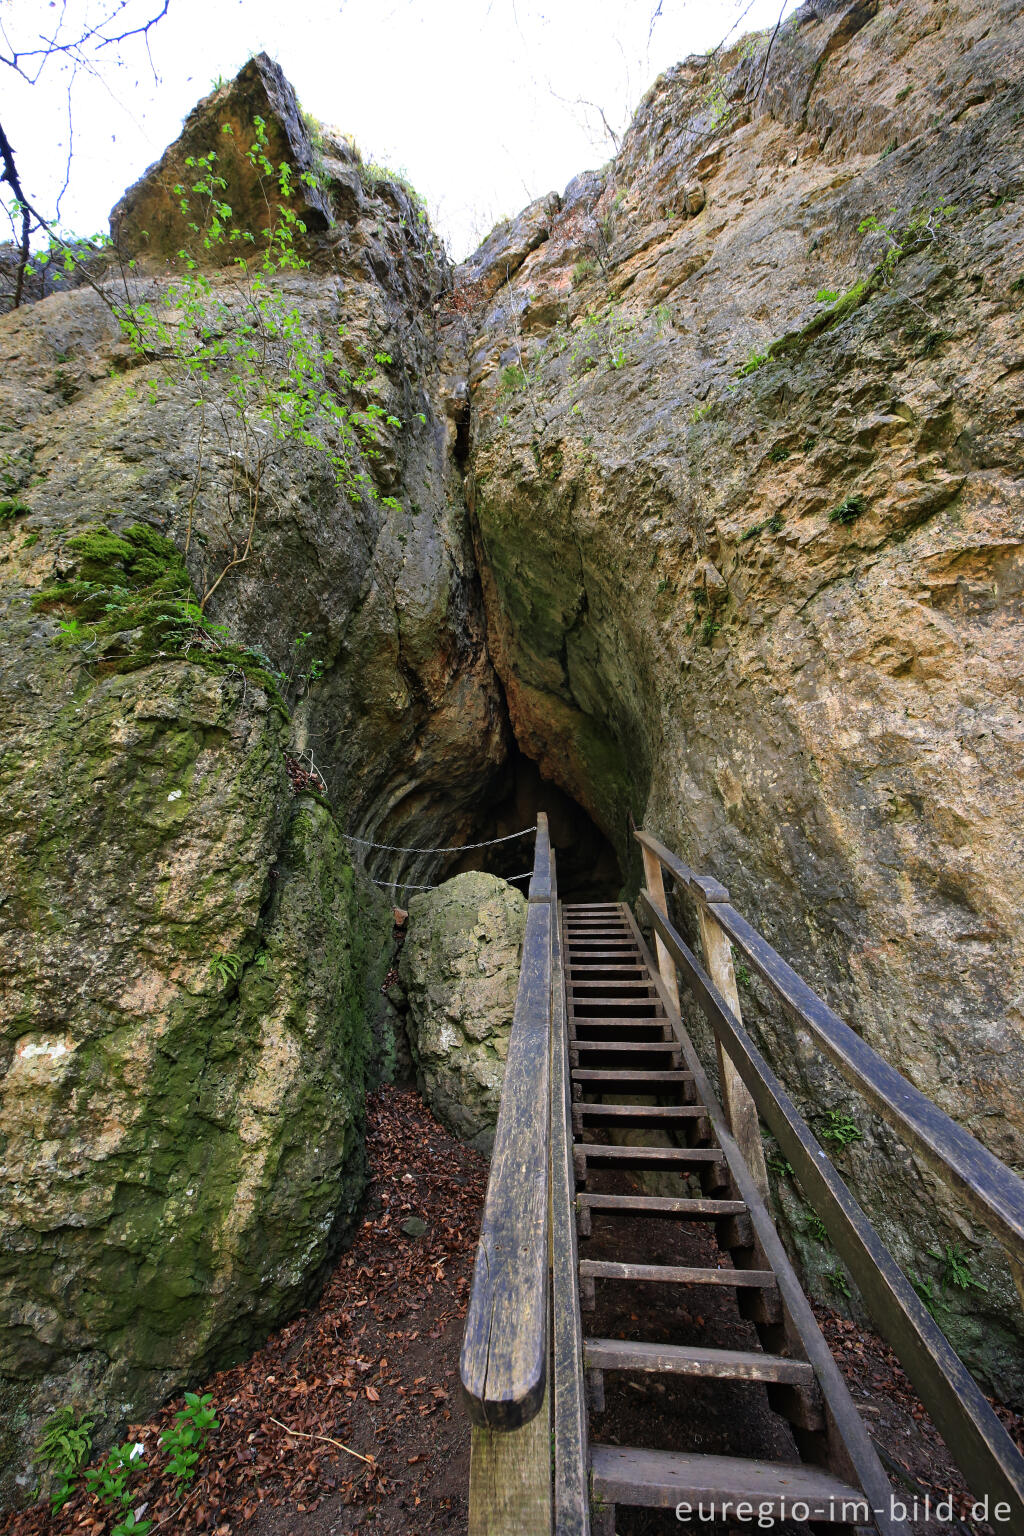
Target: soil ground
(373, 1367)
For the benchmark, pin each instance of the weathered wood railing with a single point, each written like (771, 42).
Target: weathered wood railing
(987, 1456)
(504, 1362)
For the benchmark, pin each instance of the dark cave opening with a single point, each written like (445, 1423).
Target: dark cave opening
(462, 437)
(587, 865)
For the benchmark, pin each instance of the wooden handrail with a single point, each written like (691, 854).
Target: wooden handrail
(982, 1447)
(503, 1365)
(993, 1192)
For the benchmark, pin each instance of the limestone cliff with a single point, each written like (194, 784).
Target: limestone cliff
(701, 485)
(191, 969)
(748, 492)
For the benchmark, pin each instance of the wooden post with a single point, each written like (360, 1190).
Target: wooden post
(656, 891)
(740, 1110)
(510, 1478)
(1017, 1271)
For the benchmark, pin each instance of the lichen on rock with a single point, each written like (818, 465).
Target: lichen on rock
(460, 972)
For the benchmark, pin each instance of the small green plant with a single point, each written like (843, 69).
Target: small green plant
(584, 268)
(898, 241)
(841, 1128)
(779, 1165)
(513, 380)
(743, 975)
(131, 1525)
(827, 295)
(664, 586)
(63, 1449)
(838, 1282)
(226, 967)
(848, 510)
(11, 507)
(779, 454)
(753, 362)
(773, 524)
(956, 1270)
(925, 1288)
(109, 1481)
(709, 628)
(716, 104)
(700, 411)
(187, 1437)
(816, 1228)
(72, 631)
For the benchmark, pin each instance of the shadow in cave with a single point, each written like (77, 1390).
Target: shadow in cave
(588, 869)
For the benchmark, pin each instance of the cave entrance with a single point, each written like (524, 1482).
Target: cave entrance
(588, 868)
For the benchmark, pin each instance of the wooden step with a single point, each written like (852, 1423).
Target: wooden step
(584, 939)
(654, 1205)
(578, 983)
(639, 1029)
(597, 931)
(585, 969)
(600, 951)
(632, 1047)
(656, 1112)
(644, 1157)
(598, 920)
(628, 1074)
(692, 1360)
(634, 1010)
(612, 975)
(676, 1274)
(665, 1479)
(622, 1021)
(661, 1205)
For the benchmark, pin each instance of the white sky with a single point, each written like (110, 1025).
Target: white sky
(477, 101)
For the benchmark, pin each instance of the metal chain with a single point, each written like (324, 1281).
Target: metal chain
(460, 848)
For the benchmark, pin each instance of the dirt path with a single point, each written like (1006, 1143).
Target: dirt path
(373, 1365)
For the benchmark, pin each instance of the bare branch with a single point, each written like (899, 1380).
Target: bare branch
(768, 52)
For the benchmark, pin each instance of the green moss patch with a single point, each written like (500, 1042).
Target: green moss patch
(131, 602)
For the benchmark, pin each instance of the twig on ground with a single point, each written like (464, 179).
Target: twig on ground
(301, 1433)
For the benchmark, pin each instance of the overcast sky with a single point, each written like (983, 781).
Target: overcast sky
(477, 101)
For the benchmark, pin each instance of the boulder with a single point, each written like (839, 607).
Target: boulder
(460, 971)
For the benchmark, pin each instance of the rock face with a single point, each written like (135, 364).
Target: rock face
(703, 479)
(748, 493)
(460, 972)
(186, 1037)
(190, 1010)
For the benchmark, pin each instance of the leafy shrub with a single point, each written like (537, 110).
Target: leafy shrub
(63, 1449)
(848, 510)
(841, 1128)
(187, 1437)
(754, 361)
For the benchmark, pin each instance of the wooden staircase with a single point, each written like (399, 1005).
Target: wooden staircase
(639, 1355)
(617, 1027)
